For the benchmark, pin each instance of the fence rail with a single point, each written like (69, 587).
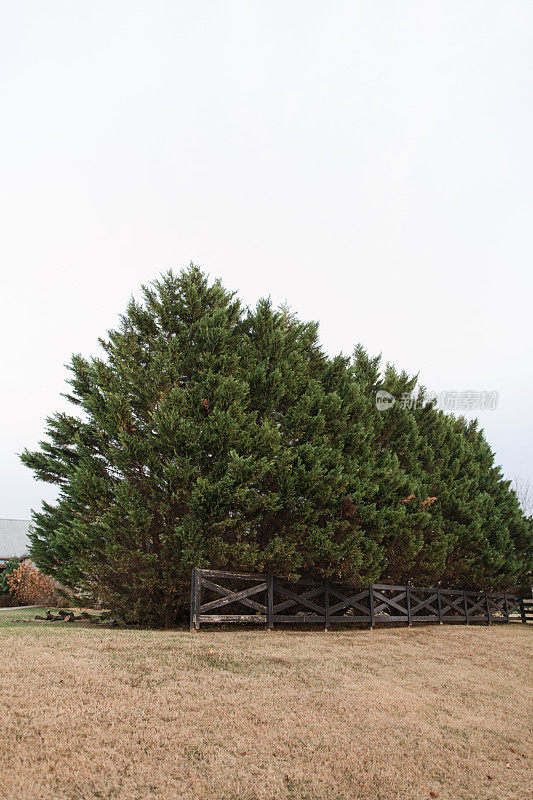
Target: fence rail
(218, 596)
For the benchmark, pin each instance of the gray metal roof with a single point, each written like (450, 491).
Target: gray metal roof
(14, 539)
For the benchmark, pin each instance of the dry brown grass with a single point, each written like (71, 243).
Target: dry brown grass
(248, 715)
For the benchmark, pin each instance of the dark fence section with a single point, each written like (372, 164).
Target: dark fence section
(240, 597)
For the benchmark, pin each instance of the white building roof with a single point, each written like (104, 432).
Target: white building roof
(14, 539)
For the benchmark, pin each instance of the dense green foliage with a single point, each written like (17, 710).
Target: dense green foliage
(458, 521)
(212, 435)
(9, 568)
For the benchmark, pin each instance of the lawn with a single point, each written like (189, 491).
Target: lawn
(389, 714)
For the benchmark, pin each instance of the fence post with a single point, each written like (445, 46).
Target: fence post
(371, 604)
(270, 602)
(195, 600)
(506, 606)
(408, 598)
(522, 610)
(466, 608)
(439, 606)
(488, 608)
(198, 600)
(191, 617)
(326, 605)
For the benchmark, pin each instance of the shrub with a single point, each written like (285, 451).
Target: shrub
(30, 587)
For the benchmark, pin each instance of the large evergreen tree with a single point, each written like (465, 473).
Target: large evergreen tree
(451, 516)
(212, 435)
(208, 436)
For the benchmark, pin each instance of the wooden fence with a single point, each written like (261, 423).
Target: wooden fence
(240, 597)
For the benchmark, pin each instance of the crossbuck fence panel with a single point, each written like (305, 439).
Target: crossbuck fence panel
(218, 596)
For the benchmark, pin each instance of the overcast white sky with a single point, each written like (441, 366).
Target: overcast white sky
(368, 162)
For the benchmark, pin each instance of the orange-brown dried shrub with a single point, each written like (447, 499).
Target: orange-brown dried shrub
(31, 587)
